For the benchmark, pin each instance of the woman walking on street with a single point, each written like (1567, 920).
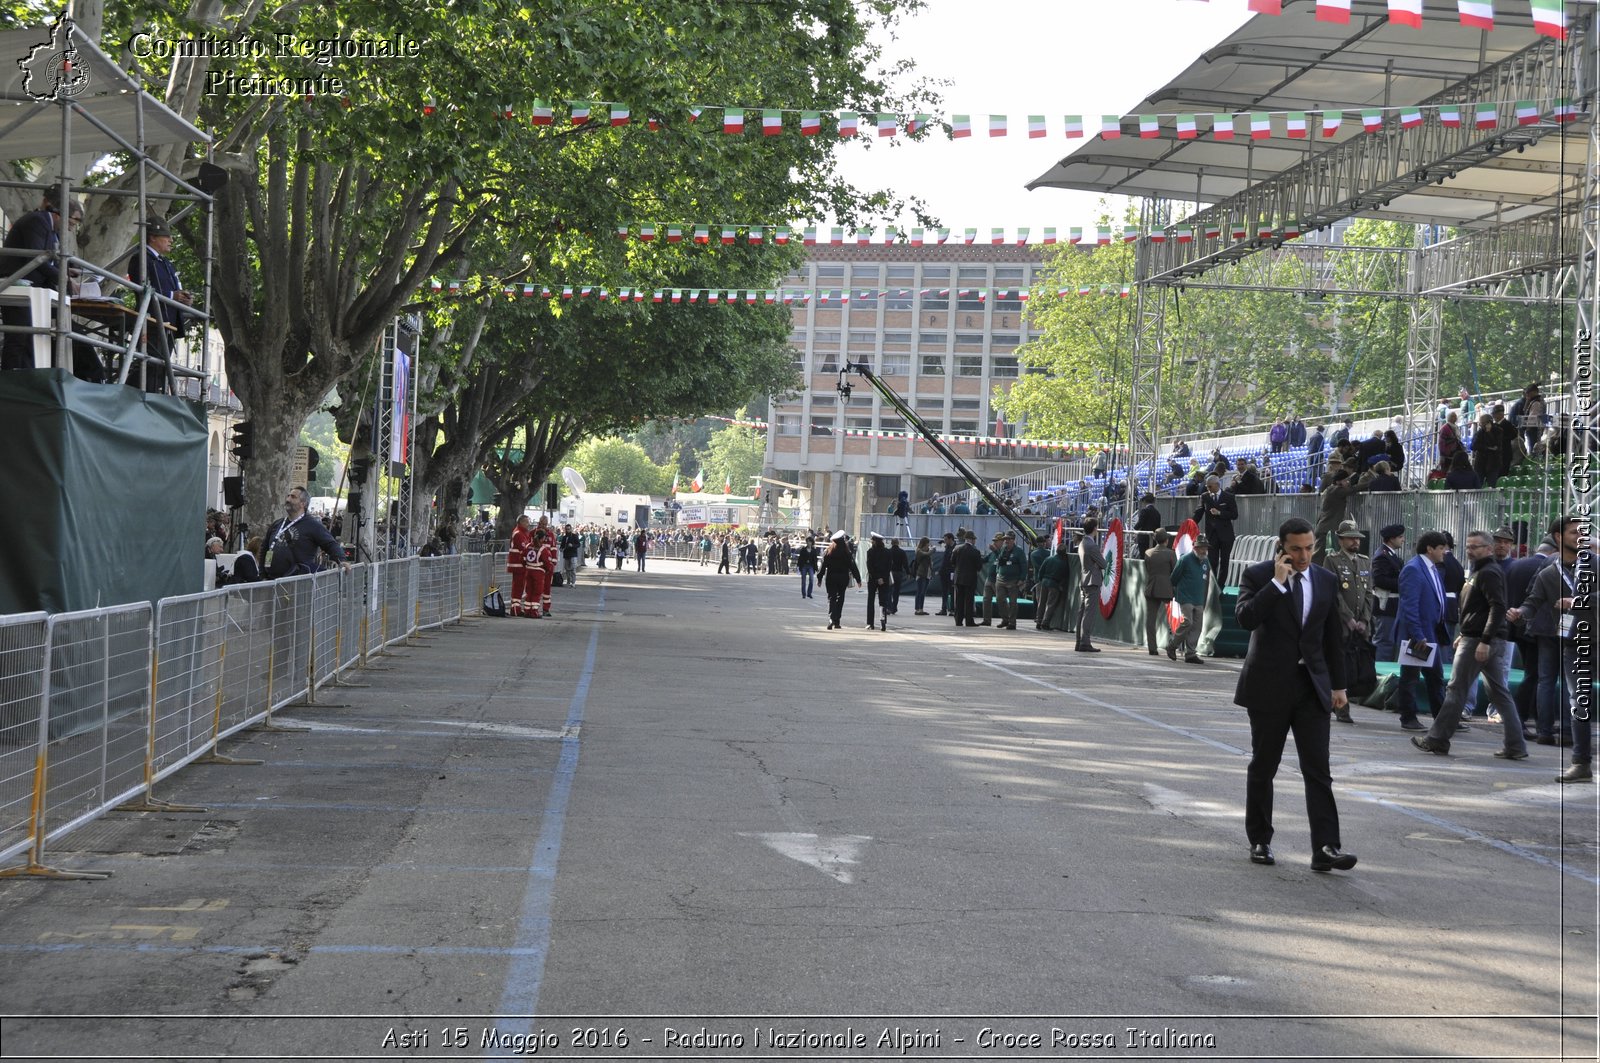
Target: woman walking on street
(837, 570)
(922, 572)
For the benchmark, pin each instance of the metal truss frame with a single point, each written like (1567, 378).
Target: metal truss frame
(1369, 170)
(1149, 350)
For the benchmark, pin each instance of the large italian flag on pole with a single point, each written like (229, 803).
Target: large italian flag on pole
(1550, 18)
(1478, 14)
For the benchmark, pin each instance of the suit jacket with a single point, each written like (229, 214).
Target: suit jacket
(1421, 606)
(1278, 641)
(1219, 530)
(34, 231)
(1093, 560)
(1158, 566)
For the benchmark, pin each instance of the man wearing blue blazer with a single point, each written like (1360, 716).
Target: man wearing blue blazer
(1420, 625)
(1293, 679)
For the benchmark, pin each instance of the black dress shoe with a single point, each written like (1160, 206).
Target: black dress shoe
(1329, 858)
(1411, 725)
(1546, 740)
(1511, 754)
(1428, 745)
(1193, 660)
(1261, 853)
(1172, 653)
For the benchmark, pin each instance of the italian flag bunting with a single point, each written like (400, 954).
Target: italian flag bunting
(916, 236)
(1331, 121)
(836, 236)
(757, 234)
(695, 113)
(1406, 13)
(944, 235)
(1264, 229)
(1075, 235)
(917, 123)
(505, 110)
(1260, 125)
(620, 115)
(1297, 125)
(1049, 234)
(1410, 117)
(542, 114)
(1291, 230)
(1110, 127)
(1130, 233)
(1222, 126)
(1102, 235)
(1550, 18)
(733, 120)
(694, 295)
(702, 234)
(729, 234)
(656, 296)
(849, 123)
(429, 107)
(1213, 231)
(1450, 116)
(1477, 14)
(647, 233)
(1185, 234)
(1149, 126)
(566, 292)
(1267, 7)
(863, 237)
(810, 237)
(1333, 10)
(652, 123)
(750, 298)
(622, 232)
(810, 123)
(713, 296)
(1158, 236)
(890, 234)
(1187, 129)
(771, 121)
(997, 125)
(1372, 119)
(1564, 110)
(1035, 126)
(969, 236)
(1074, 126)
(580, 112)
(961, 125)
(888, 125)
(677, 296)
(1527, 112)
(1487, 117)
(604, 294)
(782, 235)
(674, 234)
(997, 236)
(1238, 230)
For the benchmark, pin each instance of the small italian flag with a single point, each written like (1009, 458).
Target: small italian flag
(647, 233)
(1406, 13)
(944, 235)
(836, 236)
(1074, 126)
(1264, 229)
(733, 120)
(1238, 230)
(652, 123)
(1260, 125)
(674, 234)
(1478, 14)
(541, 113)
(1297, 125)
(969, 236)
(863, 237)
(1488, 117)
(1222, 126)
(1331, 121)
(1049, 234)
(1036, 126)
(849, 123)
(1291, 230)
(1110, 127)
(1158, 236)
(1550, 18)
(997, 125)
(1187, 130)
(1333, 10)
(1527, 112)
(781, 237)
(809, 239)
(961, 125)
(1185, 234)
(1213, 231)
(695, 113)
(505, 110)
(888, 125)
(1450, 116)
(1075, 235)
(1564, 111)
(657, 296)
(1372, 119)
(622, 232)
(694, 295)
(917, 123)
(566, 292)
(677, 296)
(620, 115)
(997, 236)
(1149, 126)
(771, 122)
(1130, 233)
(1266, 7)
(916, 237)
(810, 123)
(1102, 235)
(702, 234)
(580, 112)
(757, 234)
(1410, 117)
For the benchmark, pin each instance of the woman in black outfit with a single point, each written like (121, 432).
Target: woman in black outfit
(837, 570)
(1461, 477)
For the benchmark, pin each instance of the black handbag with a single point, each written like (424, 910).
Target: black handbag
(494, 603)
(1360, 667)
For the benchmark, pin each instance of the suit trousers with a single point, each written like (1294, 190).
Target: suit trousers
(1302, 713)
(1405, 695)
(836, 601)
(1088, 610)
(1155, 615)
(1188, 635)
(962, 596)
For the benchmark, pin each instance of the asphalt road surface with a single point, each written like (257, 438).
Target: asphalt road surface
(680, 819)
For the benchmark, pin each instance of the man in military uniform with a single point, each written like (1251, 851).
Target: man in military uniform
(1354, 570)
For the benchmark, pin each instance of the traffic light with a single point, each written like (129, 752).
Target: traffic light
(244, 441)
(312, 457)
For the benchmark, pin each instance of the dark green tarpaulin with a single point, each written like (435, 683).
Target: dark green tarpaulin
(103, 497)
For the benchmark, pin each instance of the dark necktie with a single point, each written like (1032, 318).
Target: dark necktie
(1297, 589)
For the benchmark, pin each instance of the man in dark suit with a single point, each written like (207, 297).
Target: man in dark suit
(1216, 515)
(1293, 678)
(37, 230)
(156, 264)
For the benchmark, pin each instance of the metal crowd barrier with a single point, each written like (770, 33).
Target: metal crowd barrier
(98, 706)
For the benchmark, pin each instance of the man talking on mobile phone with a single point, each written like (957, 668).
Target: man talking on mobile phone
(1293, 679)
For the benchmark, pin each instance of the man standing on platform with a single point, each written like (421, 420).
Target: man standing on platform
(1293, 676)
(1189, 591)
(1216, 515)
(1386, 565)
(1159, 564)
(1092, 561)
(1421, 630)
(38, 230)
(1354, 573)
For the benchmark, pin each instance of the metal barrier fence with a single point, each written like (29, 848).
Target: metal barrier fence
(98, 706)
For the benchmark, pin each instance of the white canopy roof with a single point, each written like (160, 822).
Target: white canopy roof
(31, 129)
(1292, 62)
